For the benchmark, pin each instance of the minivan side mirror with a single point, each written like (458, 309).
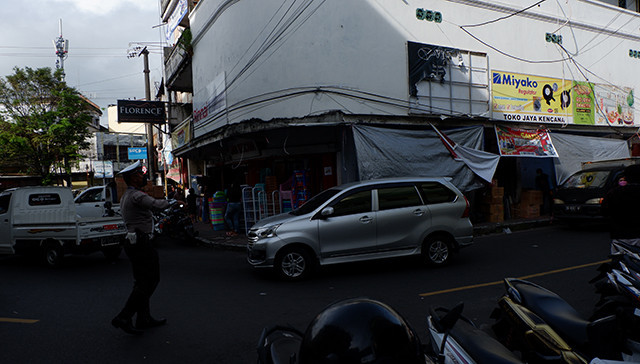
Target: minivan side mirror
(326, 212)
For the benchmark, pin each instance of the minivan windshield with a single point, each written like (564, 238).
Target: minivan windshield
(315, 202)
(587, 179)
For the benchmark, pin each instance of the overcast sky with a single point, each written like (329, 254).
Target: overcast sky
(99, 34)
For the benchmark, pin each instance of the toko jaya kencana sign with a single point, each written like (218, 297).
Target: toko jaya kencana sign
(527, 98)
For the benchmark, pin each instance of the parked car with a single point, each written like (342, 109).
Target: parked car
(579, 198)
(363, 221)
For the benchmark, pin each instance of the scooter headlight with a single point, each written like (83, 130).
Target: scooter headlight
(267, 232)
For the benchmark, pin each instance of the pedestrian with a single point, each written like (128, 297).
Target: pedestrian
(542, 184)
(192, 205)
(135, 207)
(234, 209)
(621, 206)
(171, 192)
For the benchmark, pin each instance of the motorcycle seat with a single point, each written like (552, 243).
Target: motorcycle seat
(555, 311)
(480, 346)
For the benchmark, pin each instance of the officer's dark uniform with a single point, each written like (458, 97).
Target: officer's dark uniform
(135, 207)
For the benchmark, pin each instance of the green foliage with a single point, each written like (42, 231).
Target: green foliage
(43, 122)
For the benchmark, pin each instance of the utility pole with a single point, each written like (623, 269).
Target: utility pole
(62, 49)
(151, 150)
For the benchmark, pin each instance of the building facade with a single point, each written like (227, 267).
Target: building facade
(266, 93)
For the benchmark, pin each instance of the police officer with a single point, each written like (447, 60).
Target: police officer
(135, 207)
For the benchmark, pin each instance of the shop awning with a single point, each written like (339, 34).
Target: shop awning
(383, 152)
(575, 149)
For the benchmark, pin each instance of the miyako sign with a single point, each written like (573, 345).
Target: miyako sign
(135, 111)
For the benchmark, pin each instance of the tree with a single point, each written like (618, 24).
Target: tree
(43, 122)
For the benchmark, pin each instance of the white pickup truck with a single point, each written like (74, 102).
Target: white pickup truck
(44, 220)
(95, 201)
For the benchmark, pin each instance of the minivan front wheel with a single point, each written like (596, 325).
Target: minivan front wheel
(436, 250)
(293, 264)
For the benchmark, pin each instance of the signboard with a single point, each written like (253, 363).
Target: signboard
(137, 153)
(103, 169)
(614, 105)
(527, 98)
(178, 13)
(583, 104)
(442, 81)
(135, 111)
(524, 142)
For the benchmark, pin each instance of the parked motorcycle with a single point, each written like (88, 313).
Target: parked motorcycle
(175, 222)
(358, 330)
(545, 328)
(455, 339)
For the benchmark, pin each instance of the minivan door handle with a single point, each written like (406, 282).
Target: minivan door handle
(418, 212)
(366, 219)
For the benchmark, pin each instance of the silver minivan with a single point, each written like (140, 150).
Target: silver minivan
(363, 221)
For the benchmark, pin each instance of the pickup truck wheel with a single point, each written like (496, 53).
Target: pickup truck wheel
(52, 254)
(112, 254)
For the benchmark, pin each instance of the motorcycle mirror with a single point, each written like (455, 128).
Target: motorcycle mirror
(451, 317)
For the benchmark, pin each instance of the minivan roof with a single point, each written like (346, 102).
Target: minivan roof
(392, 180)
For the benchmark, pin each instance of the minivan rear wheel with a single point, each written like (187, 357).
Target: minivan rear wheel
(293, 264)
(436, 250)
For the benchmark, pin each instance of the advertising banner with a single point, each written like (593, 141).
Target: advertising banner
(103, 169)
(614, 105)
(524, 142)
(527, 98)
(181, 135)
(583, 104)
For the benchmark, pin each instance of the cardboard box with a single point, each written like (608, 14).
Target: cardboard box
(531, 197)
(493, 208)
(527, 211)
(495, 218)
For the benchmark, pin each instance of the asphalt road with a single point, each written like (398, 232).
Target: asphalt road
(217, 305)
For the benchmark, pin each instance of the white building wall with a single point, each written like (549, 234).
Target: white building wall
(117, 127)
(354, 52)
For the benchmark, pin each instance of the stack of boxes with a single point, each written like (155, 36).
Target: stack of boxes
(493, 206)
(529, 207)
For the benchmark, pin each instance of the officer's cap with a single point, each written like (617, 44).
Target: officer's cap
(135, 167)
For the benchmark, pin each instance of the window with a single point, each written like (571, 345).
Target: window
(4, 203)
(356, 203)
(434, 192)
(588, 179)
(91, 196)
(44, 199)
(397, 197)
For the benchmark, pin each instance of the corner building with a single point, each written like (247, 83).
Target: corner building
(317, 93)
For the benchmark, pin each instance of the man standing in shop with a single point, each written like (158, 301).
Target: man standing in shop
(234, 209)
(135, 207)
(621, 206)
